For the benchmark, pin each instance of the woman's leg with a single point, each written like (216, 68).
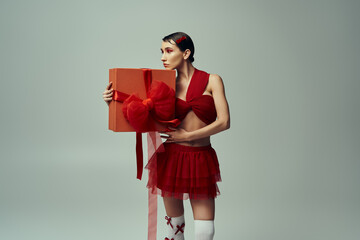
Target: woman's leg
(204, 215)
(174, 207)
(203, 209)
(175, 218)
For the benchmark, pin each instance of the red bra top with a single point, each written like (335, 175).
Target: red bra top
(202, 105)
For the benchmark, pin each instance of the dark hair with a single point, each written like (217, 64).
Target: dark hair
(183, 41)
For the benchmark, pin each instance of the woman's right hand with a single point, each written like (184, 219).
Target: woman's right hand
(107, 94)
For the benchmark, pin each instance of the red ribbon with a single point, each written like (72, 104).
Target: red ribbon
(143, 113)
(169, 221)
(180, 228)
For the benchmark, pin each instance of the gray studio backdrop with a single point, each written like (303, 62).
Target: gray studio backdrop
(290, 161)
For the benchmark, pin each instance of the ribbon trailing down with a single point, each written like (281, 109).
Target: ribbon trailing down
(142, 114)
(154, 146)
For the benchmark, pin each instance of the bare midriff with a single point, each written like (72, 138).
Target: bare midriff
(191, 123)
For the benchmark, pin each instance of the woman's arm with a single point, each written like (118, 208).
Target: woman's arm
(220, 124)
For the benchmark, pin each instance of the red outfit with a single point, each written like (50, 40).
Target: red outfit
(183, 171)
(202, 105)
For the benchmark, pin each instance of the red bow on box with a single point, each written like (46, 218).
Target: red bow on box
(142, 114)
(159, 106)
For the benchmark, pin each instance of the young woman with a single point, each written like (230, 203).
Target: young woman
(189, 168)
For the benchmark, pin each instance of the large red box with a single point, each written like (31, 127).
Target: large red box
(129, 81)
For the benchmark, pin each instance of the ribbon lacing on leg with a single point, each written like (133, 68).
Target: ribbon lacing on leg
(169, 221)
(180, 228)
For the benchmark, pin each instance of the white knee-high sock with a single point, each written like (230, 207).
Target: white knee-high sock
(176, 227)
(204, 229)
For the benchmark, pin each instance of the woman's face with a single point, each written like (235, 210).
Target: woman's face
(172, 57)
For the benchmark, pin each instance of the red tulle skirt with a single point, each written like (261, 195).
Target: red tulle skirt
(184, 172)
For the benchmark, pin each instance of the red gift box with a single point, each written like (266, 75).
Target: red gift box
(143, 101)
(135, 88)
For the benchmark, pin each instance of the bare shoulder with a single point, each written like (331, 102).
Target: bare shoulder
(214, 77)
(215, 82)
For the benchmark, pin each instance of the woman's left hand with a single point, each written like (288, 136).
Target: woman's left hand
(176, 135)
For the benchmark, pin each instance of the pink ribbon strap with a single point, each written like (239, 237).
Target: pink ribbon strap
(154, 143)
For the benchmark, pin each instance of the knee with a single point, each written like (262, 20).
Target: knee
(174, 207)
(204, 229)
